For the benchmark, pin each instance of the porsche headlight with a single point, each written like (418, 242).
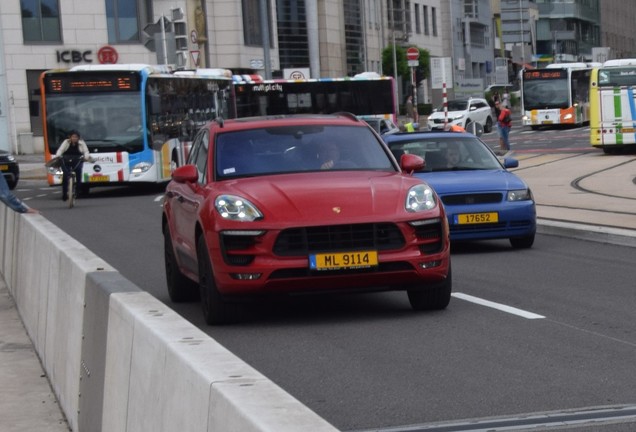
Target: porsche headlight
(519, 195)
(235, 208)
(419, 198)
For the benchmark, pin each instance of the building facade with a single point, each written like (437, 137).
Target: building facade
(618, 31)
(567, 30)
(323, 38)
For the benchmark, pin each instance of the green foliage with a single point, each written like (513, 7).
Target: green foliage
(422, 71)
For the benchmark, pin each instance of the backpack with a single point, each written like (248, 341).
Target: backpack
(507, 120)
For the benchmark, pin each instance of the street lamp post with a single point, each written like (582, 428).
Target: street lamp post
(523, 49)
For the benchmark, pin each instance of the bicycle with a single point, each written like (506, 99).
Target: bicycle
(69, 163)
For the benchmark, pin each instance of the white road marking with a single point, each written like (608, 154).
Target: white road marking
(498, 306)
(159, 198)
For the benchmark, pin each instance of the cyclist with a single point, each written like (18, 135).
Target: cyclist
(75, 151)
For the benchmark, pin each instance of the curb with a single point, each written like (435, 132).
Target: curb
(596, 233)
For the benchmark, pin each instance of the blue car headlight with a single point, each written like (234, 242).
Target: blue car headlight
(519, 195)
(235, 208)
(419, 198)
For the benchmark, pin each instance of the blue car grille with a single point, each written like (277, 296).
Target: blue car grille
(303, 241)
(468, 199)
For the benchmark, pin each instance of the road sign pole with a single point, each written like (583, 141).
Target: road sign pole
(413, 86)
(444, 98)
(413, 55)
(164, 45)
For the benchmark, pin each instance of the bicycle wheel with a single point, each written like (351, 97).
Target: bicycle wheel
(71, 190)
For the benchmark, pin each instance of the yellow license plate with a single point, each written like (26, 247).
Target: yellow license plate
(98, 179)
(343, 260)
(627, 130)
(547, 122)
(476, 218)
(4, 167)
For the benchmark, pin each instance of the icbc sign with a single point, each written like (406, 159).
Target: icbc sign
(107, 55)
(74, 56)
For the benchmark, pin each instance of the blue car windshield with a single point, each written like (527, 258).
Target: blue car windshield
(287, 149)
(452, 152)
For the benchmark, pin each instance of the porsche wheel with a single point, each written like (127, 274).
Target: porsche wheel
(180, 288)
(215, 309)
(435, 297)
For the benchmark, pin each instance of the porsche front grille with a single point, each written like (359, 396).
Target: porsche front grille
(303, 241)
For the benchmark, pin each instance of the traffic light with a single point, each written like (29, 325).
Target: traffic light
(180, 36)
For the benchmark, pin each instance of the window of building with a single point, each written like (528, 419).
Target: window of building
(252, 23)
(418, 28)
(354, 37)
(33, 87)
(40, 20)
(471, 8)
(425, 20)
(434, 20)
(293, 44)
(125, 18)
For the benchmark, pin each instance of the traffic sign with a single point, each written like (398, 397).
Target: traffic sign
(412, 53)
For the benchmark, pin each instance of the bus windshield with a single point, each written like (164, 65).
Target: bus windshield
(545, 94)
(106, 121)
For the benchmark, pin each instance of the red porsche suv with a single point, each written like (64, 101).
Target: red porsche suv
(301, 204)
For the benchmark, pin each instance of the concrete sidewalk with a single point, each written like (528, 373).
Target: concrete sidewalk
(589, 196)
(27, 402)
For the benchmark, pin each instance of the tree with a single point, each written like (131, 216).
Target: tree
(421, 72)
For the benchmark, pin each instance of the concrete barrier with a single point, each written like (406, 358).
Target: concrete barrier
(120, 360)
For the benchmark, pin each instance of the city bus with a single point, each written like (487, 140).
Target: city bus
(555, 95)
(613, 105)
(367, 95)
(137, 120)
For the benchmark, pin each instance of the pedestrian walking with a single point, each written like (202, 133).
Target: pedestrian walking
(504, 123)
(505, 99)
(410, 109)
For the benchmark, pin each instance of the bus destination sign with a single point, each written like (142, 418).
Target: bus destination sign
(78, 83)
(545, 74)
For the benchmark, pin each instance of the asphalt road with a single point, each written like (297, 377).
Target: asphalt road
(528, 334)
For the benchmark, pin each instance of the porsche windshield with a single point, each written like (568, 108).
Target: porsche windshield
(297, 149)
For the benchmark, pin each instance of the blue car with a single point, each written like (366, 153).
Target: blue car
(483, 200)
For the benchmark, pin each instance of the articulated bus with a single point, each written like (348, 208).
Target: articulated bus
(137, 120)
(613, 105)
(556, 95)
(366, 95)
